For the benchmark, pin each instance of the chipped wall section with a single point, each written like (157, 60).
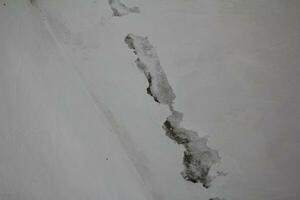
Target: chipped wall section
(159, 87)
(198, 157)
(119, 9)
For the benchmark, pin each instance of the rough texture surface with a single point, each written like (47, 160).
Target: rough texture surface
(198, 157)
(119, 9)
(148, 61)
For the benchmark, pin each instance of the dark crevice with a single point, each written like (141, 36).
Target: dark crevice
(149, 78)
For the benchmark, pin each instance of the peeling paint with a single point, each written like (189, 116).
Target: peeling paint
(119, 9)
(148, 61)
(198, 157)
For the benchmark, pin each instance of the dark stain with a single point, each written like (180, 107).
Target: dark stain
(173, 134)
(190, 174)
(149, 78)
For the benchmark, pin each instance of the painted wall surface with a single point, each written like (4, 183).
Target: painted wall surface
(76, 121)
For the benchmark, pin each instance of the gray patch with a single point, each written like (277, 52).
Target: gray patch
(148, 61)
(33, 2)
(119, 9)
(198, 157)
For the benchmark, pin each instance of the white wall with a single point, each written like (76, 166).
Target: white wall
(71, 96)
